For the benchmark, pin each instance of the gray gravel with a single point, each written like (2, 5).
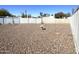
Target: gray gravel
(31, 39)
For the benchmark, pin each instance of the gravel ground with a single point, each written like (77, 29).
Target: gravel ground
(31, 39)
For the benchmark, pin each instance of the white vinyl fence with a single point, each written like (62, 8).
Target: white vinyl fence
(74, 21)
(1, 20)
(10, 20)
(19, 20)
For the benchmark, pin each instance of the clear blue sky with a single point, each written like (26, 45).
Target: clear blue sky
(36, 9)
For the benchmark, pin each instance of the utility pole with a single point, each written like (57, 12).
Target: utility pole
(27, 15)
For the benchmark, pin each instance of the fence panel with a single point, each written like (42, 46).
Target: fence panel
(16, 20)
(32, 20)
(38, 20)
(24, 20)
(48, 20)
(1, 20)
(74, 21)
(8, 20)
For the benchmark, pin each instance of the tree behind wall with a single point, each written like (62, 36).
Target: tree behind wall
(4, 13)
(59, 15)
(24, 15)
(67, 15)
(62, 15)
(41, 15)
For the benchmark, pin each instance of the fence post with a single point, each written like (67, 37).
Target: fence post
(3, 20)
(13, 20)
(19, 20)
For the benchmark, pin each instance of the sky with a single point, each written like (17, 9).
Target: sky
(35, 10)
